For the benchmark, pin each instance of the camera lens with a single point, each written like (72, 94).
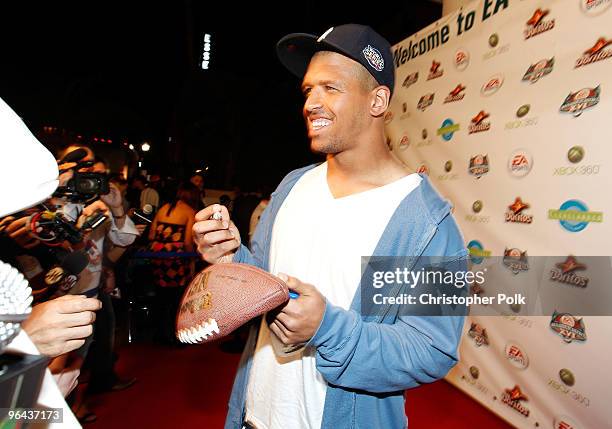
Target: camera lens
(88, 185)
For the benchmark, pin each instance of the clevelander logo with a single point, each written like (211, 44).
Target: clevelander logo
(477, 252)
(537, 25)
(574, 215)
(447, 129)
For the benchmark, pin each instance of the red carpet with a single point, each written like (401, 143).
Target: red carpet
(190, 387)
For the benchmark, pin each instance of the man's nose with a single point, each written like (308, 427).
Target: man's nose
(313, 102)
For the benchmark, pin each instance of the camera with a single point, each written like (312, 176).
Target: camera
(53, 227)
(88, 185)
(84, 186)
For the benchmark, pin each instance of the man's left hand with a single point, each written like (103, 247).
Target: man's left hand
(113, 200)
(300, 318)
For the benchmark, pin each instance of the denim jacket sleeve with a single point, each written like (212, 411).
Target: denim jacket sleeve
(388, 357)
(256, 256)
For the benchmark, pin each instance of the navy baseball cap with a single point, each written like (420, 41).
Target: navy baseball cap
(357, 42)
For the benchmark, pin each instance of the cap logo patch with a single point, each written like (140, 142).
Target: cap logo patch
(374, 58)
(324, 35)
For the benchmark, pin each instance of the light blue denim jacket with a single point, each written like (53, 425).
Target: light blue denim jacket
(368, 361)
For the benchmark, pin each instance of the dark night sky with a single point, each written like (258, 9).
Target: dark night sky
(131, 71)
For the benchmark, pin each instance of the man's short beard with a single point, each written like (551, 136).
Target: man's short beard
(332, 146)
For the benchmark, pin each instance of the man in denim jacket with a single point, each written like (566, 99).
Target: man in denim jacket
(352, 362)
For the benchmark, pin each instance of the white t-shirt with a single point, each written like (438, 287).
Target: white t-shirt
(149, 196)
(320, 240)
(89, 278)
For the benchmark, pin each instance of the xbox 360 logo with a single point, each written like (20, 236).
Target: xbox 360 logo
(448, 166)
(474, 372)
(567, 377)
(477, 206)
(523, 110)
(493, 40)
(575, 154)
(516, 308)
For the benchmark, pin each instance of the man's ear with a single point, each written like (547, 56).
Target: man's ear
(381, 96)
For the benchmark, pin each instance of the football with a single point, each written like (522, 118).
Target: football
(224, 297)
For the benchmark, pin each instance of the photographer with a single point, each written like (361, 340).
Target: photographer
(82, 180)
(29, 175)
(118, 228)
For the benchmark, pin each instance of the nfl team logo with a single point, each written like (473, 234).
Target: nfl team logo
(569, 327)
(411, 79)
(479, 165)
(479, 334)
(516, 260)
(538, 70)
(577, 102)
(425, 101)
(374, 58)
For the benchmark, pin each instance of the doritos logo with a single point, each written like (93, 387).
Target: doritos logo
(537, 25)
(456, 94)
(435, 71)
(595, 53)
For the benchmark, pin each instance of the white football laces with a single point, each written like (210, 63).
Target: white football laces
(198, 333)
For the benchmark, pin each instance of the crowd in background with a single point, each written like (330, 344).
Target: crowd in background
(142, 250)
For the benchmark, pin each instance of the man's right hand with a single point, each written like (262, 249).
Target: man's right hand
(62, 324)
(217, 240)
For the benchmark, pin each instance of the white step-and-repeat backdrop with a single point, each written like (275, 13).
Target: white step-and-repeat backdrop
(507, 106)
